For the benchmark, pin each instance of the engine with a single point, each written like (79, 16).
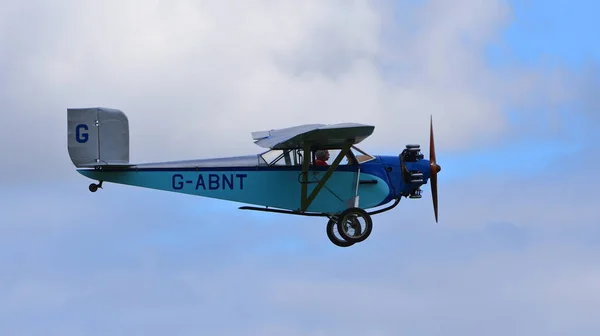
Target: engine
(412, 153)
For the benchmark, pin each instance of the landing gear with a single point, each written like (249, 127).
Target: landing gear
(94, 187)
(350, 226)
(354, 225)
(331, 234)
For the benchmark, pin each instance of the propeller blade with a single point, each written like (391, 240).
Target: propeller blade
(431, 142)
(434, 194)
(434, 168)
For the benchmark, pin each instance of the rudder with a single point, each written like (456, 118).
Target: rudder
(98, 136)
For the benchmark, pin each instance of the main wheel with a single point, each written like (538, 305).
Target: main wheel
(331, 227)
(93, 187)
(354, 225)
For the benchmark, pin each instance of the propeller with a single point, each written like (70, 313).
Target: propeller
(434, 168)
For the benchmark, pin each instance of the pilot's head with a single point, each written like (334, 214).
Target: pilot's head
(322, 154)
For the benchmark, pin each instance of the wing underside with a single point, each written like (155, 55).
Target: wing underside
(322, 136)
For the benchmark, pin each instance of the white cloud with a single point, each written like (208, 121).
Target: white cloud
(195, 77)
(187, 71)
(547, 286)
(163, 262)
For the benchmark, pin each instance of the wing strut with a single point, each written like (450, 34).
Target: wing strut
(306, 201)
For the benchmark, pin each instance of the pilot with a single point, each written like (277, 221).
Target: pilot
(321, 158)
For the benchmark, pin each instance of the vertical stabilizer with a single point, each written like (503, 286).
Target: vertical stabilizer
(98, 136)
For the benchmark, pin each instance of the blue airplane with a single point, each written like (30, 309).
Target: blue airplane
(283, 179)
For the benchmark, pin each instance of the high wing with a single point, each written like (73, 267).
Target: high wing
(320, 135)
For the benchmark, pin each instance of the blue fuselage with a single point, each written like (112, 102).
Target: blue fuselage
(376, 182)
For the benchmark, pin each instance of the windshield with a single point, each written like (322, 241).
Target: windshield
(360, 155)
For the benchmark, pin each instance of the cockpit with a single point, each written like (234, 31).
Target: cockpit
(294, 157)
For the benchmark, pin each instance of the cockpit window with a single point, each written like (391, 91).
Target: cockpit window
(280, 157)
(293, 157)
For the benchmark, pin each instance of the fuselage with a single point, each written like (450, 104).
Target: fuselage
(249, 180)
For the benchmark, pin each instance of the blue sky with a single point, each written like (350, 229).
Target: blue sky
(551, 33)
(515, 251)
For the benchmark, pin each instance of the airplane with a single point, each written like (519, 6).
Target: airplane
(282, 179)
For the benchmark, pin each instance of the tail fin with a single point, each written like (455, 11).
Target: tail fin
(98, 137)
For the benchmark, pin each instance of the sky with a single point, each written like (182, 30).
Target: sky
(512, 87)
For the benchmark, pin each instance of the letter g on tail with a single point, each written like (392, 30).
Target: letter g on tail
(81, 137)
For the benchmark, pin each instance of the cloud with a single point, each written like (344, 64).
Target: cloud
(196, 77)
(513, 253)
(158, 288)
(503, 259)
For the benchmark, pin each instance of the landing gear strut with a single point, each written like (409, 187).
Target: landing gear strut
(354, 225)
(94, 187)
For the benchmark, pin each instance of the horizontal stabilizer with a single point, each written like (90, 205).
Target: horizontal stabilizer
(105, 164)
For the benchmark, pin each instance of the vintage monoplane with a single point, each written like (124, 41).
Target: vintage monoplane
(284, 179)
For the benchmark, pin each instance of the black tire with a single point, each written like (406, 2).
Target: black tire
(355, 212)
(93, 187)
(333, 238)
